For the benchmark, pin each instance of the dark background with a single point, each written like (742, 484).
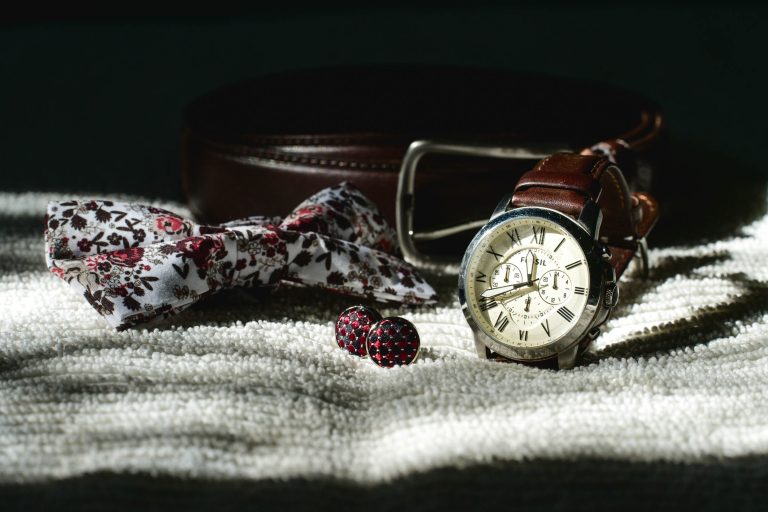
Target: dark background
(91, 104)
(94, 104)
(86, 103)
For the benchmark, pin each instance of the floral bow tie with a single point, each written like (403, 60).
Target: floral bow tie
(134, 263)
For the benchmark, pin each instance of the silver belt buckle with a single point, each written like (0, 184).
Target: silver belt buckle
(406, 200)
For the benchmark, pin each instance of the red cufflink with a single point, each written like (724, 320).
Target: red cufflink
(353, 326)
(391, 341)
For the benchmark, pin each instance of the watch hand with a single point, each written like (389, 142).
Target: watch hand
(554, 286)
(529, 261)
(528, 304)
(506, 275)
(534, 269)
(493, 292)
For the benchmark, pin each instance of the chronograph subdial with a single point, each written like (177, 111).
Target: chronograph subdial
(506, 274)
(555, 287)
(526, 309)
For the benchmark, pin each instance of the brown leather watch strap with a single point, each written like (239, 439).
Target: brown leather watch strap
(566, 182)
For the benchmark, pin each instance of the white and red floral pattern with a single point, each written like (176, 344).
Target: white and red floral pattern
(134, 263)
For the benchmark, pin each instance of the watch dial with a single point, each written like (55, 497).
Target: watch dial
(527, 282)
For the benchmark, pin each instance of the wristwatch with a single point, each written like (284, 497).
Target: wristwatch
(540, 278)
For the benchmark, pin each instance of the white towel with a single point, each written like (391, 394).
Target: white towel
(255, 387)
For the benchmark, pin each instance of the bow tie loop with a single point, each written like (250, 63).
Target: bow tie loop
(348, 216)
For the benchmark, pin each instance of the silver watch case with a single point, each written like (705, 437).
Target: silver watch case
(584, 230)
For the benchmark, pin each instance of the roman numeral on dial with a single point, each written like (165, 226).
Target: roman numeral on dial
(545, 326)
(480, 277)
(538, 235)
(523, 335)
(558, 245)
(566, 313)
(573, 265)
(515, 236)
(501, 322)
(578, 290)
(495, 254)
(486, 303)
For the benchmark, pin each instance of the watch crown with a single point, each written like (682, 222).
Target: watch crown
(611, 296)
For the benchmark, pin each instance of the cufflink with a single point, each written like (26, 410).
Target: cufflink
(352, 328)
(391, 341)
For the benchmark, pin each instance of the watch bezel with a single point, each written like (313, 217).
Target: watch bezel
(597, 278)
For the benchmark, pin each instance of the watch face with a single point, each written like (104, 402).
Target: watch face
(526, 282)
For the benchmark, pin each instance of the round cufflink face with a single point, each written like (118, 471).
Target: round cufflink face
(353, 327)
(393, 342)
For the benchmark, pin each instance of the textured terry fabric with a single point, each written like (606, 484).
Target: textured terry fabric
(254, 387)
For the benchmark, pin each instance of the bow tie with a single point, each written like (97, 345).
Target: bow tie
(134, 263)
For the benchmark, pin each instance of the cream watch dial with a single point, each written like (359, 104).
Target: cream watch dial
(527, 282)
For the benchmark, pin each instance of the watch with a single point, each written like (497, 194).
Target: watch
(540, 278)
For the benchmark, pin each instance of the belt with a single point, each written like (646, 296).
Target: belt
(434, 147)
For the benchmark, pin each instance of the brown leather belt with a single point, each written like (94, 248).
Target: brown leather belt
(263, 146)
